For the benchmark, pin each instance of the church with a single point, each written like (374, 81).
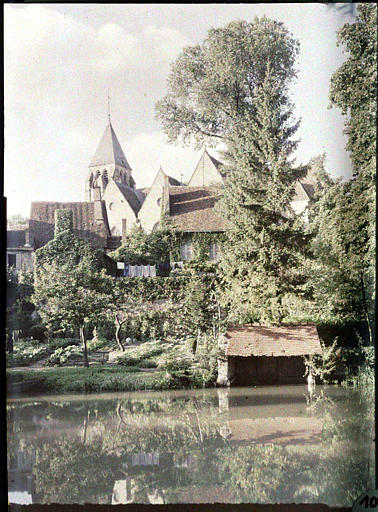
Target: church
(113, 205)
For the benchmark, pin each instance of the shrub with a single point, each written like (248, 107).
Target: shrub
(64, 355)
(63, 342)
(26, 352)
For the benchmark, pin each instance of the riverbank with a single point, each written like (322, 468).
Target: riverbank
(87, 380)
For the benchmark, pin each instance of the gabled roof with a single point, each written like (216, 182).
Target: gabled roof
(207, 171)
(42, 221)
(216, 162)
(130, 196)
(109, 150)
(192, 209)
(286, 340)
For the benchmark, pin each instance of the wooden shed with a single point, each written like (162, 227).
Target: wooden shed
(256, 354)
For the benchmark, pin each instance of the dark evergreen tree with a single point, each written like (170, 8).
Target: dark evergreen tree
(266, 243)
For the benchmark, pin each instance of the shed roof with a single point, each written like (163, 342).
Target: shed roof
(192, 209)
(287, 340)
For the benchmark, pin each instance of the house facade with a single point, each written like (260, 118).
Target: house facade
(113, 205)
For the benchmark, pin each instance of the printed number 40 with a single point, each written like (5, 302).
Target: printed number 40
(371, 502)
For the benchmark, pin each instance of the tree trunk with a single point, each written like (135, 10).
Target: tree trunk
(84, 342)
(366, 308)
(118, 330)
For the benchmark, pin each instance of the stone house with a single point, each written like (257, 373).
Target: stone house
(113, 205)
(255, 354)
(20, 252)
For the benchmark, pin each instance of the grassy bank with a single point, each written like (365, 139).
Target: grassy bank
(87, 380)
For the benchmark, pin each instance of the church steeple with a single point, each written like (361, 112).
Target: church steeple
(109, 150)
(109, 163)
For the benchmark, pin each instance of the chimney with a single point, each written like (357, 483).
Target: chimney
(63, 221)
(124, 231)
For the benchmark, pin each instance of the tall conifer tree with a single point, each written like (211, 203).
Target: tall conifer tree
(265, 241)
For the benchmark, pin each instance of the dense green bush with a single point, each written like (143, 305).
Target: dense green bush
(26, 352)
(63, 342)
(65, 355)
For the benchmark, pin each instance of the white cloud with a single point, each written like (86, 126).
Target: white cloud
(166, 42)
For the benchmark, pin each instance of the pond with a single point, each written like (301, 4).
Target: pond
(255, 445)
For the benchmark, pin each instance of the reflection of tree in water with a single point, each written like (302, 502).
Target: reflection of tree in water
(68, 471)
(335, 473)
(110, 441)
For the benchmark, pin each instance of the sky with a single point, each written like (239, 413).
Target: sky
(61, 59)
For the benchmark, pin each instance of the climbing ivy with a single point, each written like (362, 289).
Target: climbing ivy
(63, 221)
(66, 248)
(200, 243)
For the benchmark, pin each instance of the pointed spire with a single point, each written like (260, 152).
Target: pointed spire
(109, 150)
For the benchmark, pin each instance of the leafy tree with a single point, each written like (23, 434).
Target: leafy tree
(212, 85)
(354, 87)
(144, 248)
(234, 87)
(342, 286)
(354, 90)
(72, 296)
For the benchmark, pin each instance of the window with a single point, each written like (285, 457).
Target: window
(12, 260)
(213, 251)
(105, 178)
(186, 251)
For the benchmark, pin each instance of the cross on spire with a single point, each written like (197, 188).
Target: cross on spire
(108, 106)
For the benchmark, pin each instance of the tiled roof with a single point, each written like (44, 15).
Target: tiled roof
(109, 150)
(192, 209)
(130, 196)
(16, 238)
(288, 340)
(42, 222)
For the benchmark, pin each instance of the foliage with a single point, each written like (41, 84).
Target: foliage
(62, 355)
(145, 248)
(201, 309)
(67, 250)
(62, 457)
(26, 352)
(212, 85)
(63, 221)
(354, 90)
(324, 364)
(55, 343)
(71, 295)
(342, 280)
(263, 257)
(261, 474)
(16, 220)
(354, 87)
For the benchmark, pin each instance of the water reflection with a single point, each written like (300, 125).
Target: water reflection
(257, 445)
